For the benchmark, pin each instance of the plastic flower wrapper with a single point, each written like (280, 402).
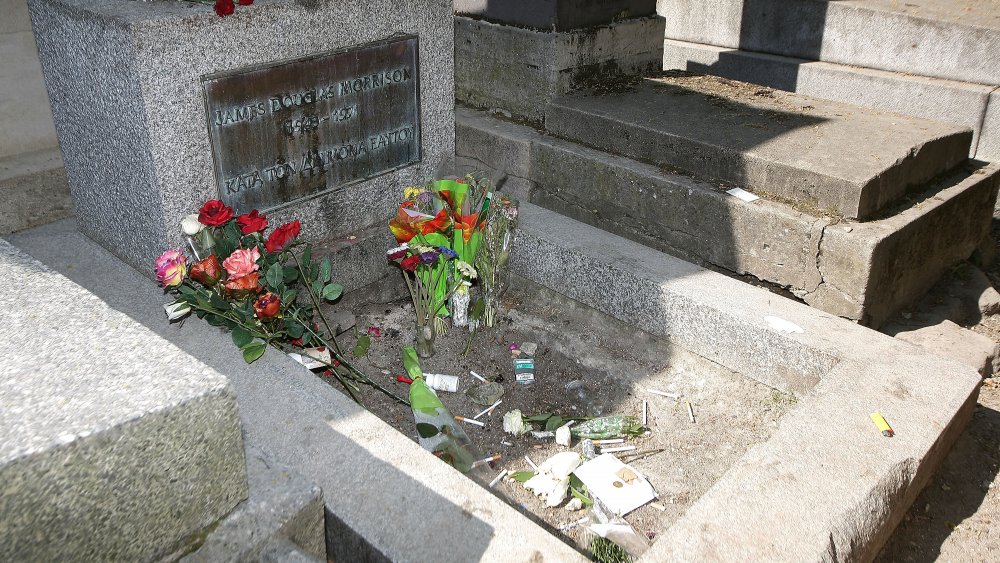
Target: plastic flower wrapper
(437, 430)
(499, 225)
(419, 229)
(606, 427)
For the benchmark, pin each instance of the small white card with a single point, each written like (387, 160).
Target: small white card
(621, 488)
(742, 194)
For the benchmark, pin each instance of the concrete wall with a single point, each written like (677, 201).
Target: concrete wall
(25, 119)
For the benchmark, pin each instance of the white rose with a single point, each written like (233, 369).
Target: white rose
(176, 310)
(514, 424)
(191, 225)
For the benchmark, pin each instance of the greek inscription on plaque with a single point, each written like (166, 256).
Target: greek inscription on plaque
(297, 129)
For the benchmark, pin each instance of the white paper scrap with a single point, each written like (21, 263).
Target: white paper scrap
(603, 478)
(742, 194)
(781, 325)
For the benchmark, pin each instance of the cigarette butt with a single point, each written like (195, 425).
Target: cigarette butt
(658, 506)
(644, 412)
(690, 411)
(620, 449)
(477, 376)
(531, 463)
(508, 444)
(882, 425)
(469, 420)
(497, 479)
(486, 461)
(664, 394)
(610, 441)
(491, 407)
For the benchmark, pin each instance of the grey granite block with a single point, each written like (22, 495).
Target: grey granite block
(555, 14)
(517, 71)
(124, 80)
(282, 507)
(114, 443)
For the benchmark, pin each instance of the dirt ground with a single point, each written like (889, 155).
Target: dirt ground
(587, 364)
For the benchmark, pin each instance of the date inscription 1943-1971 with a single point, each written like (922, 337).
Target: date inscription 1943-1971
(299, 128)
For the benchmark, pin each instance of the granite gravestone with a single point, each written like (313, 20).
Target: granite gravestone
(151, 126)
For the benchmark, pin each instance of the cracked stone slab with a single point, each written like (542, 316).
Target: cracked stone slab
(827, 155)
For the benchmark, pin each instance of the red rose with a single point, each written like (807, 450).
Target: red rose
(267, 306)
(246, 2)
(207, 272)
(224, 7)
(282, 237)
(410, 263)
(245, 285)
(215, 213)
(252, 222)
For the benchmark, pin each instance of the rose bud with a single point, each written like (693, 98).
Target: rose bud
(215, 213)
(252, 222)
(282, 237)
(267, 306)
(176, 310)
(207, 272)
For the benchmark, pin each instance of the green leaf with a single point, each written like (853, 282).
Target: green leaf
(426, 430)
(185, 289)
(275, 276)
(215, 320)
(223, 248)
(325, 270)
(332, 291)
(288, 297)
(253, 351)
(307, 254)
(361, 348)
(539, 418)
(241, 337)
(294, 329)
(522, 476)
(218, 302)
(553, 423)
(579, 490)
(291, 274)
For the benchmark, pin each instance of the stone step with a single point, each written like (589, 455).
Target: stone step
(843, 159)
(34, 190)
(283, 514)
(938, 38)
(114, 443)
(962, 103)
(861, 271)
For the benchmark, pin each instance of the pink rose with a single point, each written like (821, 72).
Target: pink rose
(171, 268)
(241, 263)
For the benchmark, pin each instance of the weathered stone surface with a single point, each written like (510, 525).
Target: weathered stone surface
(517, 71)
(281, 506)
(559, 15)
(33, 189)
(24, 107)
(939, 41)
(989, 138)
(949, 340)
(126, 91)
(861, 271)
(886, 264)
(827, 484)
(839, 463)
(114, 443)
(961, 103)
(798, 148)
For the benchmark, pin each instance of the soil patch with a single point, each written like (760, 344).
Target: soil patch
(586, 364)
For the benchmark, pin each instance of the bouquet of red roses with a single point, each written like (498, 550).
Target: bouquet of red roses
(266, 290)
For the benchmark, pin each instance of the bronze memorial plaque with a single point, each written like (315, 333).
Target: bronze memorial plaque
(296, 129)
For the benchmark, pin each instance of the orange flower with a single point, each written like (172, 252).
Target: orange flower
(207, 272)
(467, 224)
(244, 285)
(408, 223)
